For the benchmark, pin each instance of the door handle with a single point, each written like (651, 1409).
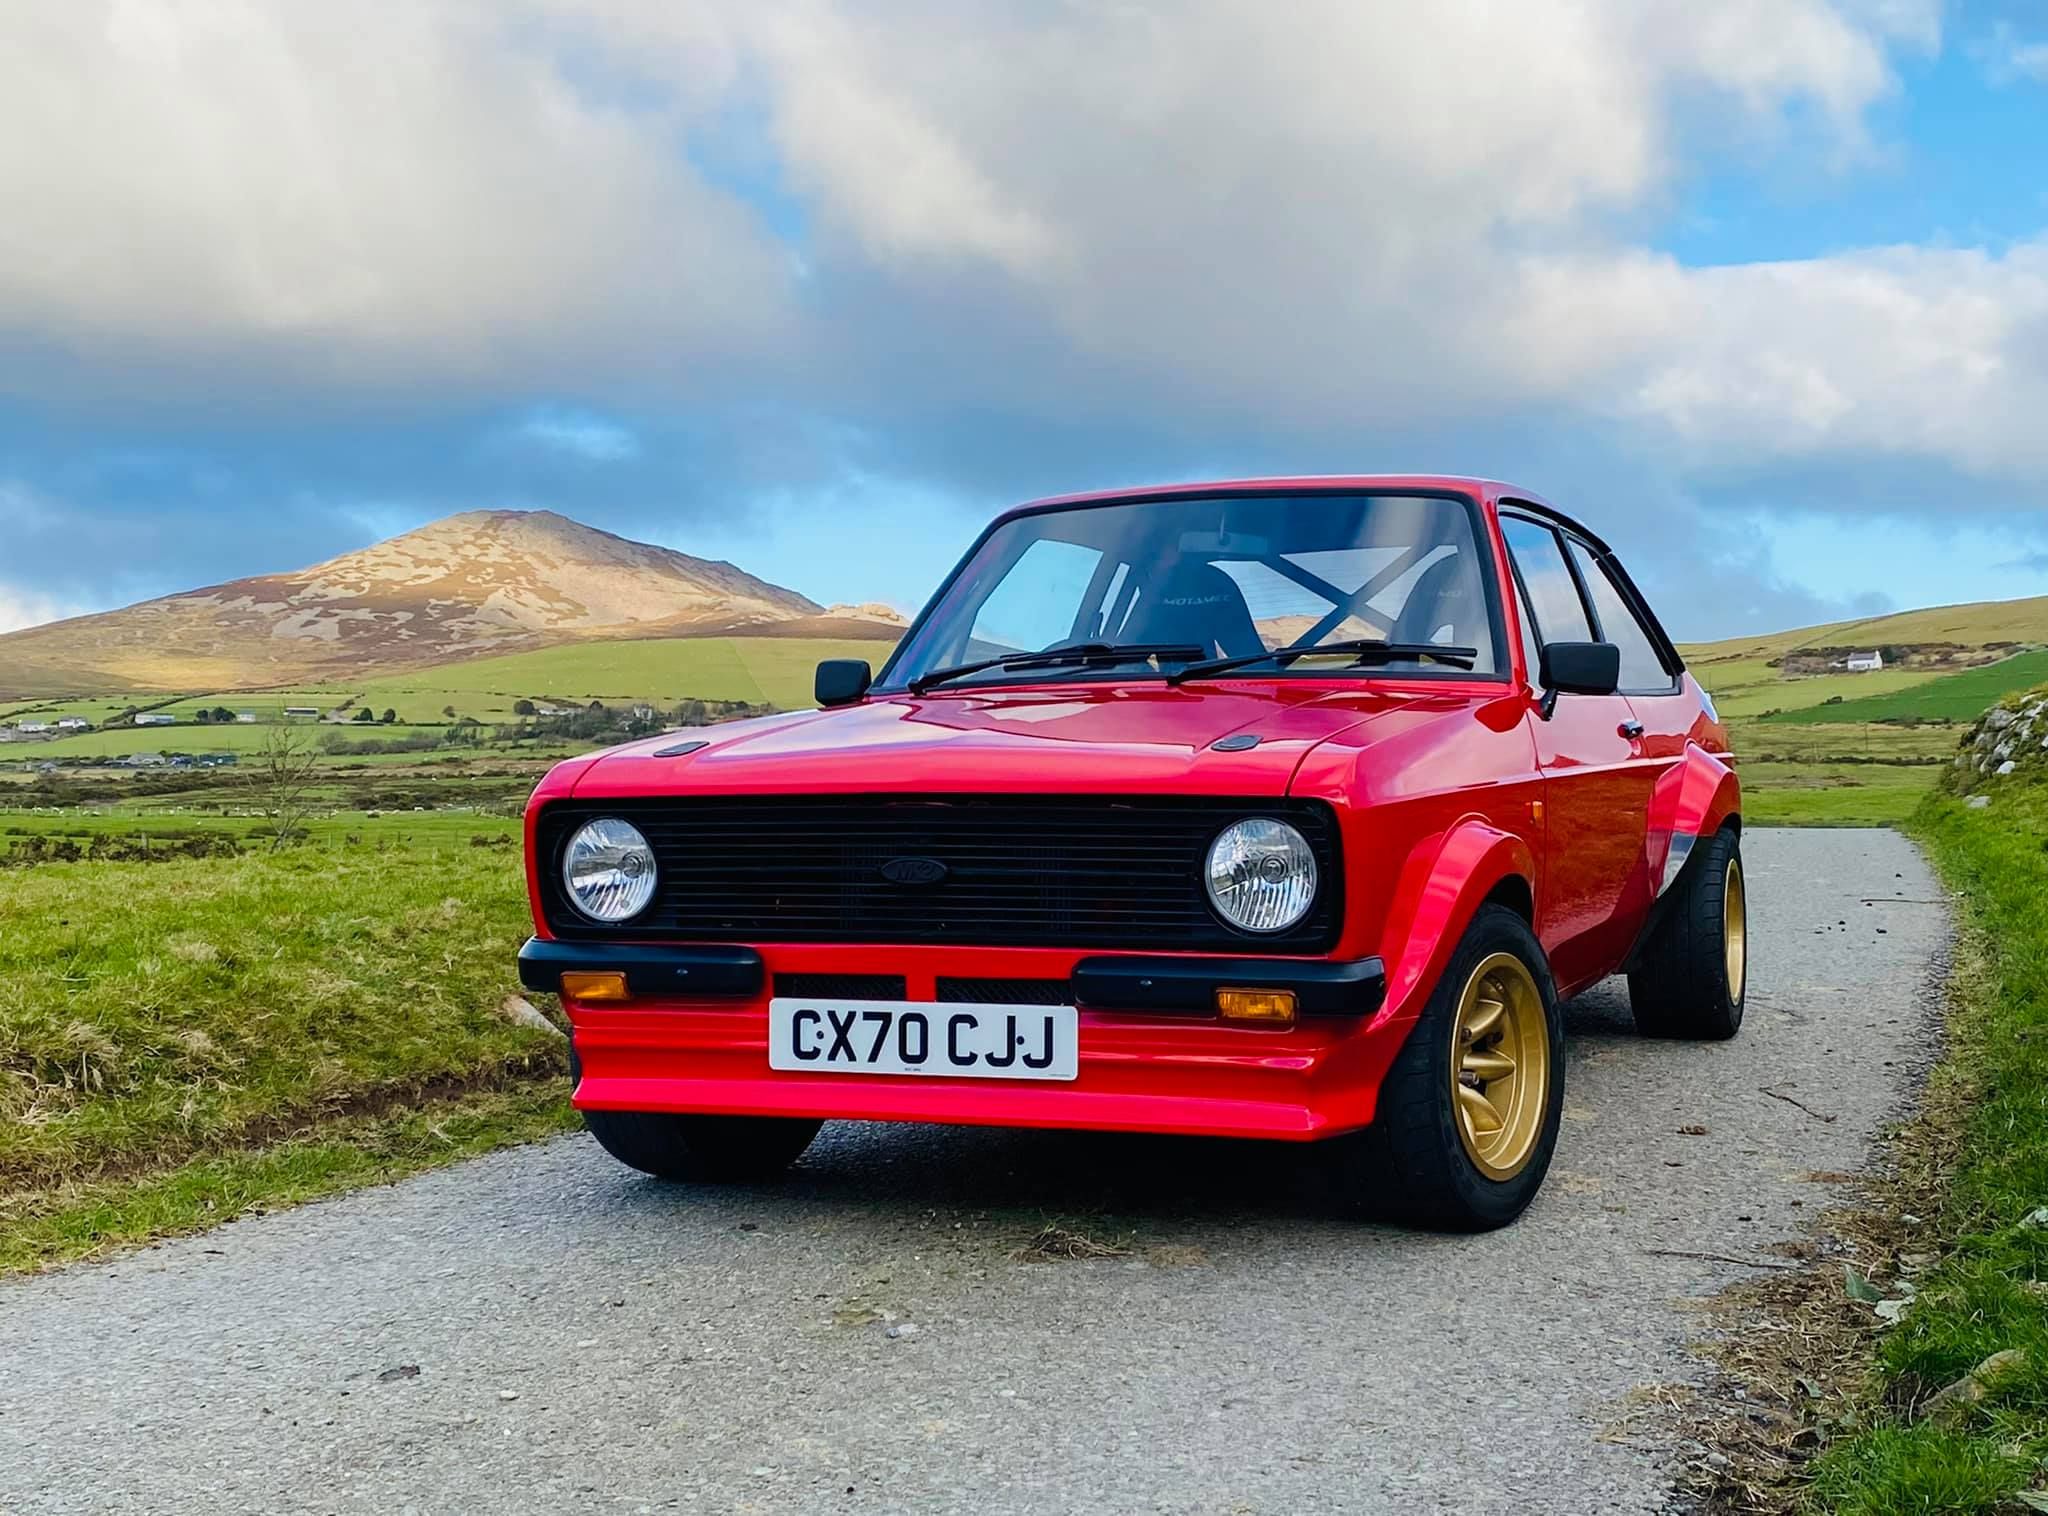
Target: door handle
(1633, 730)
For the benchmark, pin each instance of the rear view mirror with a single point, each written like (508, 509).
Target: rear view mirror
(1581, 668)
(841, 681)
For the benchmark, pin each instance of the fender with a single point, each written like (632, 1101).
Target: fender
(1695, 797)
(557, 784)
(1442, 885)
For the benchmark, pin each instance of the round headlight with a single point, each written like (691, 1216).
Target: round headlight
(1261, 875)
(608, 870)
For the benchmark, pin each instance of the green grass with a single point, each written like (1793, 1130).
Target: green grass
(1989, 1292)
(1951, 697)
(758, 670)
(1744, 687)
(1832, 794)
(327, 1158)
(201, 1029)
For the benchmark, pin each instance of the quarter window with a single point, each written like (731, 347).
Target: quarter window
(1641, 668)
(1560, 614)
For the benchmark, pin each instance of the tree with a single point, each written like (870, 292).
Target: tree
(364, 714)
(281, 780)
(523, 708)
(390, 717)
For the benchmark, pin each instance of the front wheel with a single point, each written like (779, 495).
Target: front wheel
(709, 1149)
(1467, 1117)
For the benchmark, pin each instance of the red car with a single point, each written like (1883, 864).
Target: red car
(1280, 809)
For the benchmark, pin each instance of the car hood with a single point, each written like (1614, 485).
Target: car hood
(1099, 739)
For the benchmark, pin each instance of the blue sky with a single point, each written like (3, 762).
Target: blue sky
(1760, 289)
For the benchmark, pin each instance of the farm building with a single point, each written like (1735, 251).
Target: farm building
(302, 713)
(155, 718)
(1864, 663)
(73, 724)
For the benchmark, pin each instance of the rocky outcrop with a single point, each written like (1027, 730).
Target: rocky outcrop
(2009, 739)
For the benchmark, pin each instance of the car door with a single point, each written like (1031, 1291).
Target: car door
(1649, 669)
(1596, 782)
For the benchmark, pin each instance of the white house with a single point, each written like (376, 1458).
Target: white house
(245, 718)
(32, 727)
(72, 723)
(1864, 663)
(155, 718)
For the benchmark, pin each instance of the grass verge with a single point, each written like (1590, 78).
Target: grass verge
(1983, 1291)
(85, 1219)
(184, 1041)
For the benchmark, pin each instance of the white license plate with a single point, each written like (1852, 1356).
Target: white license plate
(899, 1037)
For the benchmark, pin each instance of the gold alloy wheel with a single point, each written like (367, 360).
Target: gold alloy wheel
(1500, 1066)
(1735, 930)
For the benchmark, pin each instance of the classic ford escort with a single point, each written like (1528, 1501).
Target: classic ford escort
(1277, 809)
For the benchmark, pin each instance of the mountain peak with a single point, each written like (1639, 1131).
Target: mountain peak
(478, 581)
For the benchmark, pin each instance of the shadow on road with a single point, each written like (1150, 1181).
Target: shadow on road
(865, 1166)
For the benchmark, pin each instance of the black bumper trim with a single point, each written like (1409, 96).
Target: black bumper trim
(1182, 985)
(650, 969)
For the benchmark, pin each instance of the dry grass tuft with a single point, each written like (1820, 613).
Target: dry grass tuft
(1054, 1243)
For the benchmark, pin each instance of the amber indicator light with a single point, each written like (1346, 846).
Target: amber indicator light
(1273, 1007)
(608, 986)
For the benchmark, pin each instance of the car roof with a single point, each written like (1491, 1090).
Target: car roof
(1493, 490)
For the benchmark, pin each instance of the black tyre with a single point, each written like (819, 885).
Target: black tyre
(1691, 974)
(708, 1149)
(1468, 1115)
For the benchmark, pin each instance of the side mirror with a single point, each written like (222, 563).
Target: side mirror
(1580, 668)
(841, 681)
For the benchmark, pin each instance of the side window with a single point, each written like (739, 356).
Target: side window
(1037, 602)
(1641, 668)
(1539, 558)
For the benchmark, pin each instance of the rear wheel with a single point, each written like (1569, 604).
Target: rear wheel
(1468, 1115)
(708, 1149)
(1693, 972)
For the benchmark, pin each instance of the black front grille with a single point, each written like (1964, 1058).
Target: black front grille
(1005, 991)
(998, 871)
(842, 986)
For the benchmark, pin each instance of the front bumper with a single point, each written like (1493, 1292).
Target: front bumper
(1153, 1056)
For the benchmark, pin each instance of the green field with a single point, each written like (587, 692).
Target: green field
(185, 1040)
(1959, 697)
(757, 670)
(1833, 794)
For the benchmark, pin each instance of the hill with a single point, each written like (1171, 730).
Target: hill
(1975, 626)
(1799, 670)
(484, 582)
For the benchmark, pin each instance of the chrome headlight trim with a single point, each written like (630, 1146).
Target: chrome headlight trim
(1260, 875)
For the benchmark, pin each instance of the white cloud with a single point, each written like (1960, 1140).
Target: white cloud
(1302, 217)
(396, 191)
(21, 607)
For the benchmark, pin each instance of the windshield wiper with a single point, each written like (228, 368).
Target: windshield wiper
(1362, 649)
(1081, 653)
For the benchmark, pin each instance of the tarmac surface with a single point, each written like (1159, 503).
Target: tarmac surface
(544, 1330)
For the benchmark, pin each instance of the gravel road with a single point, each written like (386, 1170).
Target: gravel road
(542, 1329)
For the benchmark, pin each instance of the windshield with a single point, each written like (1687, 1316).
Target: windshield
(1228, 576)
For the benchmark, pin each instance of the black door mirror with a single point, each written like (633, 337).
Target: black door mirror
(841, 681)
(1581, 668)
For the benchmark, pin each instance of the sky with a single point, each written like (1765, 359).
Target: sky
(1759, 289)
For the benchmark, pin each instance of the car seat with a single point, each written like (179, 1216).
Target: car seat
(1197, 603)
